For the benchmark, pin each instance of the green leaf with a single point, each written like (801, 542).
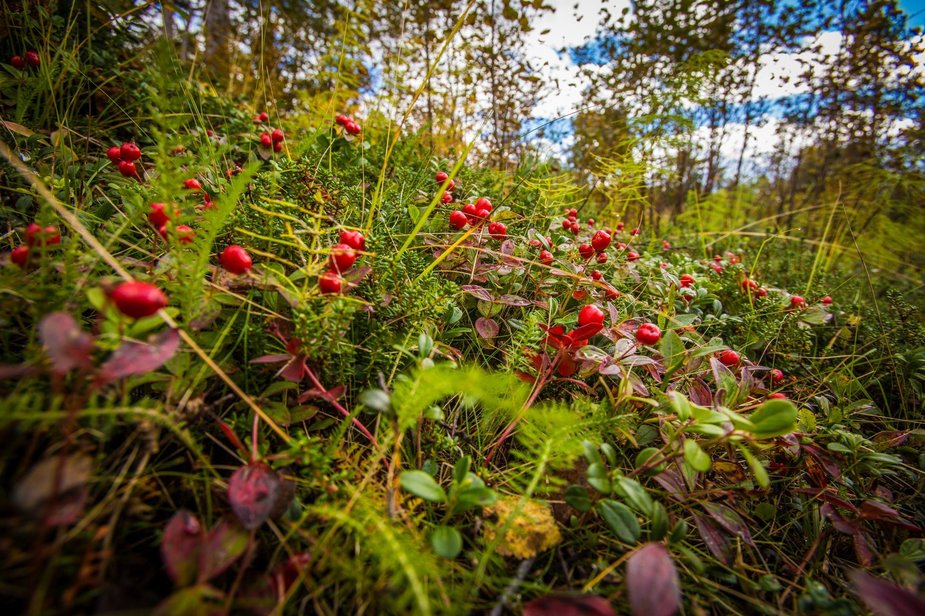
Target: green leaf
(761, 475)
(672, 349)
(621, 520)
(422, 485)
(659, 522)
(446, 541)
(461, 469)
(597, 477)
(680, 404)
(578, 498)
(632, 491)
(774, 418)
(696, 456)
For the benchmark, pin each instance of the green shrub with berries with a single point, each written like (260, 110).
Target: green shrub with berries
(252, 366)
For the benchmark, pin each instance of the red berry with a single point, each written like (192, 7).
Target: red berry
(342, 258)
(441, 177)
(497, 230)
(686, 280)
(352, 128)
(481, 214)
(777, 376)
(596, 275)
(575, 228)
(648, 333)
(826, 301)
(451, 185)
(45, 237)
(717, 268)
(749, 284)
(130, 152)
(729, 358)
(32, 58)
(32, 229)
(192, 184)
(635, 231)
(114, 154)
(573, 212)
(330, 283)
(138, 299)
(127, 168)
(18, 62)
(572, 218)
(590, 314)
(566, 225)
(797, 301)
(535, 243)
(621, 246)
(185, 234)
(236, 260)
(263, 116)
(484, 204)
(600, 241)
(777, 395)
(470, 212)
(602, 257)
(458, 219)
(20, 255)
(341, 119)
(545, 257)
(278, 146)
(590, 222)
(612, 293)
(158, 215)
(265, 140)
(446, 198)
(586, 251)
(632, 256)
(278, 135)
(762, 292)
(354, 239)
(619, 226)
(666, 245)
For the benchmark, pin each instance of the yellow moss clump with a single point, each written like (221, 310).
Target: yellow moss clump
(532, 531)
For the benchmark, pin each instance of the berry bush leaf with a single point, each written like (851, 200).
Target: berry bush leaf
(222, 547)
(422, 485)
(138, 357)
(652, 582)
(180, 547)
(446, 541)
(66, 344)
(253, 491)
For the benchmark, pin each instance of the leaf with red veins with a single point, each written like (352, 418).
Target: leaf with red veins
(252, 491)
(180, 547)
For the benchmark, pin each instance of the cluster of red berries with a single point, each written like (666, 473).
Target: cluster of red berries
(350, 127)
(30, 58)
(272, 140)
(447, 196)
(125, 156)
(475, 214)
(342, 258)
(36, 236)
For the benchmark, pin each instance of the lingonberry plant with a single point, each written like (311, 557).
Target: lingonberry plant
(306, 365)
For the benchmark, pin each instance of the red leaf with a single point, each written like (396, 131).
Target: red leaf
(713, 538)
(222, 547)
(138, 357)
(652, 582)
(862, 550)
(872, 510)
(67, 345)
(568, 605)
(55, 489)
(886, 599)
(232, 437)
(730, 520)
(294, 370)
(486, 328)
(480, 292)
(253, 491)
(180, 547)
(841, 524)
(585, 331)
